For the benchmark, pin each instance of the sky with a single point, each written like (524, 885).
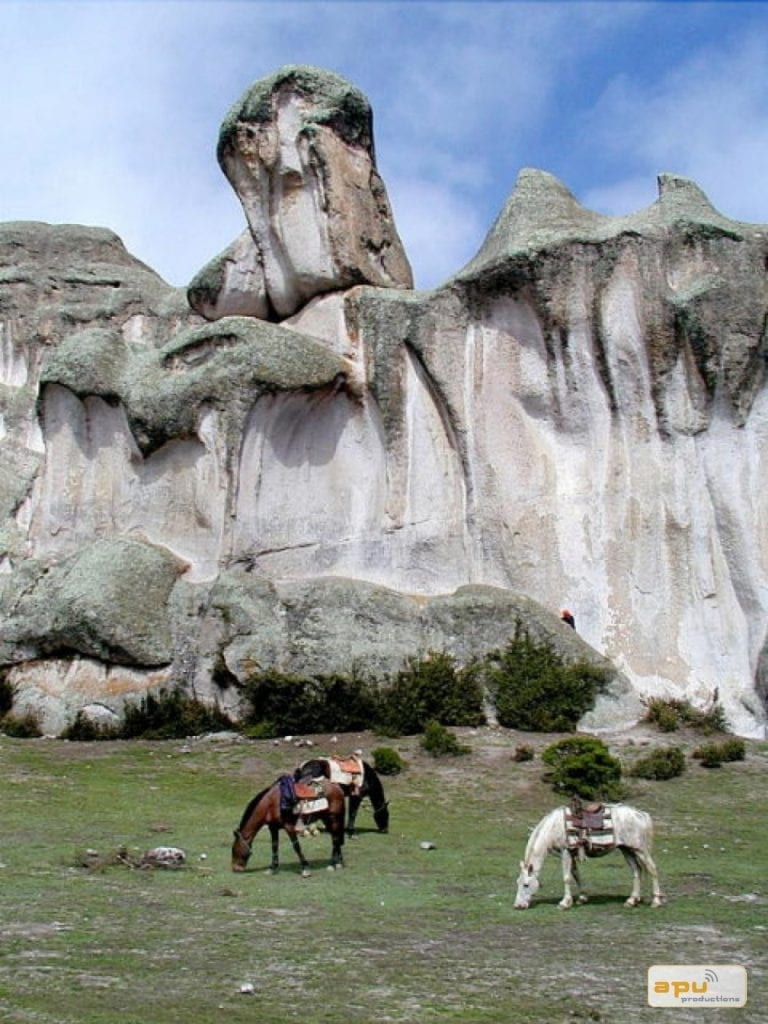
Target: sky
(110, 109)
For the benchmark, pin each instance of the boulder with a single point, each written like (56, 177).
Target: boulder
(298, 150)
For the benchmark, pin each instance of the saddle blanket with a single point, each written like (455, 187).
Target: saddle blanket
(590, 831)
(307, 807)
(346, 771)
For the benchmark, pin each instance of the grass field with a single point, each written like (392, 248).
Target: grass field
(402, 934)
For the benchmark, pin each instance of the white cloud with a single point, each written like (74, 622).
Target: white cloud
(441, 231)
(706, 119)
(623, 197)
(109, 112)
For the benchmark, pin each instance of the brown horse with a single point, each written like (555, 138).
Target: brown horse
(268, 808)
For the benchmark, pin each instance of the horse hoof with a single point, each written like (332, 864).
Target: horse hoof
(306, 873)
(631, 902)
(583, 899)
(564, 905)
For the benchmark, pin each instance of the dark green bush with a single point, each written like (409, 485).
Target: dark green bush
(6, 694)
(171, 715)
(583, 766)
(276, 704)
(387, 761)
(23, 727)
(669, 715)
(713, 754)
(534, 689)
(441, 742)
(666, 715)
(86, 730)
(661, 763)
(733, 749)
(710, 755)
(430, 689)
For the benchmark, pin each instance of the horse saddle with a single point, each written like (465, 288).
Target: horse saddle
(589, 827)
(346, 771)
(307, 790)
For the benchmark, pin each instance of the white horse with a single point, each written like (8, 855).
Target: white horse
(633, 836)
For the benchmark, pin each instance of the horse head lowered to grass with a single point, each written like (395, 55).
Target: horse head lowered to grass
(357, 778)
(284, 805)
(578, 832)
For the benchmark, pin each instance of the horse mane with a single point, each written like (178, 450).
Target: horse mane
(544, 824)
(249, 809)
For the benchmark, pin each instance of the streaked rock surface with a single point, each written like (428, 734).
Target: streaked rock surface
(577, 418)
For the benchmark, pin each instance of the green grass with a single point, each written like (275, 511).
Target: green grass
(401, 935)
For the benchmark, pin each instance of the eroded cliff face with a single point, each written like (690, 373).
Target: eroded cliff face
(577, 417)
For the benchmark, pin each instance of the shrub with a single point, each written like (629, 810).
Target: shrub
(86, 730)
(710, 721)
(661, 763)
(387, 761)
(441, 742)
(523, 753)
(7, 695)
(733, 749)
(430, 689)
(21, 726)
(276, 703)
(669, 715)
(583, 766)
(171, 715)
(712, 754)
(534, 689)
(666, 715)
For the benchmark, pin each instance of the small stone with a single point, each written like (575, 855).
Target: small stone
(427, 845)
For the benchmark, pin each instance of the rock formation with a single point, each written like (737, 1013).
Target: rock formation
(307, 463)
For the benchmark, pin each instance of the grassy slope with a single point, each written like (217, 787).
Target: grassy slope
(401, 935)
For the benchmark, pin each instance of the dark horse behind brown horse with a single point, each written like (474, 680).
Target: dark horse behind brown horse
(267, 808)
(370, 786)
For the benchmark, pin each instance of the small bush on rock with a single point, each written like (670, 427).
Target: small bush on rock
(534, 689)
(6, 695)
(277, 704)
(171, 715)
(661, 763)
(583, 766)
(24, 727)
(669, 715)
(433, 688)
(85, 730)
(387, 761)
(523, 753)
(441, 742)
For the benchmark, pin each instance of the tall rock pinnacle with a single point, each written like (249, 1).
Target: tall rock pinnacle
(298, 150)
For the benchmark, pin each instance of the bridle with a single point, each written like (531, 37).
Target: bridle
(248, 844)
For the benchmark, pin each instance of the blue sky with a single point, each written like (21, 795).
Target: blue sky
(110, 109)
